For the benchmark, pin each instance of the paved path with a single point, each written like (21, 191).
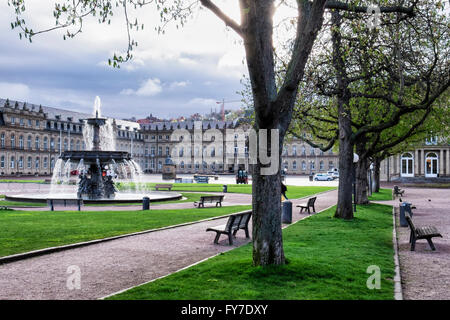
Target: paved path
(426, 273)
(119, 264)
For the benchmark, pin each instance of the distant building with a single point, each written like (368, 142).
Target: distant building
(429, 160)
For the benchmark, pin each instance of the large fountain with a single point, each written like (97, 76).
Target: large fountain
(96, 174)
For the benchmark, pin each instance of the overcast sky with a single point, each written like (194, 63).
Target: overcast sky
(179, 73)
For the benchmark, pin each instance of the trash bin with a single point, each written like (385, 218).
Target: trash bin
(225, 188)
(286, 214)
(311, 178)
(405, 207)
(146, 203)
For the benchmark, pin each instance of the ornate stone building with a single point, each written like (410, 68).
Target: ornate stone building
(429, 160)
(32, 137)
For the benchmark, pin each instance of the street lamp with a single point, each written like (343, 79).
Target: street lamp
(355, 160)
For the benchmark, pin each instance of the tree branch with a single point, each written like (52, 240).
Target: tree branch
(221, 15)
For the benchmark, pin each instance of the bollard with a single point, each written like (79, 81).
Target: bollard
(146, 203)
(286, 215)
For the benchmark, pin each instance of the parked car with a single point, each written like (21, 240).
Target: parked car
(74, 172)
(322, 177)
(334, 174)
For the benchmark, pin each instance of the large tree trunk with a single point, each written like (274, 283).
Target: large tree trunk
(344, 208)
(376, 174)
(362, 183)
(267, 234)
(273, 110)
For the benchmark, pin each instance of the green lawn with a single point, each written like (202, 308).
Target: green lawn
(384, 194)
(21, 204)
(328, 259)
(293, 192)
(20, 181)
(24, 231)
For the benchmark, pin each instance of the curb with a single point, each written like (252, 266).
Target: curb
(398, 294)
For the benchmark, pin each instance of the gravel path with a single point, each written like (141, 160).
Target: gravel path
(112, 266)
(426, 273)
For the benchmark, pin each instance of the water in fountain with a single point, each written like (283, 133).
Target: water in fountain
(97, 108)
(107, 137)
(88, 135)
(56, 177)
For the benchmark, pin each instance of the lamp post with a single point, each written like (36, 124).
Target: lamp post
(370, 179)
(355, 160)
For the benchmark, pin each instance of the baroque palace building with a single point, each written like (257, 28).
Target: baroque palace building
(32, 137)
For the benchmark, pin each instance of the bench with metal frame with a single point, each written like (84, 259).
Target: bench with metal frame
(421, 233)
(163, 186)
(214, 198)
(52, 202)
(308, 205)
(234, 223)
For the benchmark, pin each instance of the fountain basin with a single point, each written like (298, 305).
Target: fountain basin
(92, 156)
(120, 197)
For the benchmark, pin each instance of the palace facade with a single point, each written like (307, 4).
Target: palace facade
(32, 138)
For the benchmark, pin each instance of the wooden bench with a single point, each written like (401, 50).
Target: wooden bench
(201, 203)
(52, 202)
(397, 191)
(163, 186)
(308, 205)
(421, 233)
(235, 223)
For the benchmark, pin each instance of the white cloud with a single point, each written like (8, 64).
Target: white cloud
(179, 84)
(149, 87)
(16, 91)
(202, 102)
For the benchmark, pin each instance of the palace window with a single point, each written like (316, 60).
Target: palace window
(12, 163)
(20, 162)
(2, 140)
(13, 141)
(2, 162)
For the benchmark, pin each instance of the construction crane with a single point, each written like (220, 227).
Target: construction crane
(222, 109)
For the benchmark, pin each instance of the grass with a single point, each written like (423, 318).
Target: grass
(293, 192)
(20, 181)
(24, 231)
(384, 194)
(21, 204)
(328, 259)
